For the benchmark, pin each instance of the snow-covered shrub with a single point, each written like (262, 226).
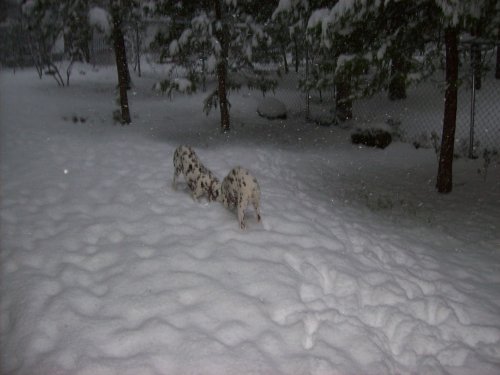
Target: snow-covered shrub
(272, 108)
(372, 136)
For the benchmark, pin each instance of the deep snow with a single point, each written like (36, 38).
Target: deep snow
(358, 266)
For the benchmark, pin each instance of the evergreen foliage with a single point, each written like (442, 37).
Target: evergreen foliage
(195, 42)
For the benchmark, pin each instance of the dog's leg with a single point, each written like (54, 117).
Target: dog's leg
(257, 208)
(174, 182)
(197, 190)
(241, 217)
(242, 205)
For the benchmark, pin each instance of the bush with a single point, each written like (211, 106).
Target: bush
(372, 137)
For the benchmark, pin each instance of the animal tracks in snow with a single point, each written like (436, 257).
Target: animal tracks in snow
(393, 307)
(313, 291)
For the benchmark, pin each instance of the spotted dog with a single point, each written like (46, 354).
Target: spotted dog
(200, 180)
(238, 189)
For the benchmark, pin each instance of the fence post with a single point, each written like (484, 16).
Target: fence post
(307, 83)
(92, 48)
(472, 103)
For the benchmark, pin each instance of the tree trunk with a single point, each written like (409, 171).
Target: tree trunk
(444, 182)
(476, 65)
(296, 49)
(121, 60)
(397, 84)
(222, 68)
(343, 101)
(285, 62)
(497, 70)
(138, 51)
(35, 55)
(476, 56)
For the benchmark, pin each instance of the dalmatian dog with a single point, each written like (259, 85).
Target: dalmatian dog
(238, 189)
(200, 180)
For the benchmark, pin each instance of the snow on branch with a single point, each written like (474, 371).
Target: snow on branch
(99, 18)
(332, 17)
(288, 6)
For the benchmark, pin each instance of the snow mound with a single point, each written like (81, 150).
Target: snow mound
(272, 108)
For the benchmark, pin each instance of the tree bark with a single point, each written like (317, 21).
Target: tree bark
(343, 101)
(121, 61)
(497, 70)
(444, 182)
(476, 65)
(222, 37)
(476, 57)
(296, 49)
(397, 84)
(138, 50)
(285, 62)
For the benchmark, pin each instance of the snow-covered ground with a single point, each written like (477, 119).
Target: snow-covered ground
(358, 266)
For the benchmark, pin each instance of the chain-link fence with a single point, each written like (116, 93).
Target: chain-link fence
(101, 50)
(419, 117)
(481, 125)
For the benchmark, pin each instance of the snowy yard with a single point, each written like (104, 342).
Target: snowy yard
(358, 266)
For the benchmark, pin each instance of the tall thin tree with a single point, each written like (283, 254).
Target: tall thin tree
(222, 36)
(497, 68)
(444, 182)
(121, 58)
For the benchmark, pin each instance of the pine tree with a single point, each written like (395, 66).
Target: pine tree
(123, 16)
(372, 45)
(339, 39)
(291, 18)
(221, 34)
(289, 21)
